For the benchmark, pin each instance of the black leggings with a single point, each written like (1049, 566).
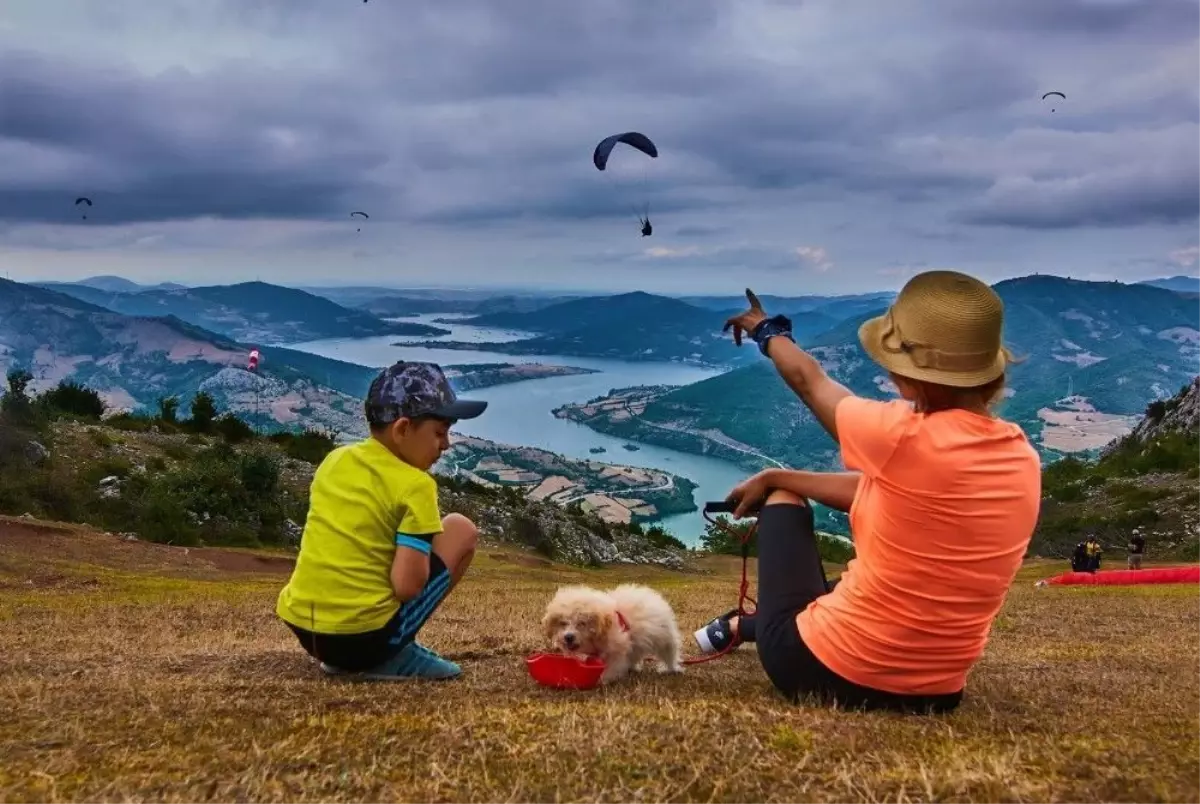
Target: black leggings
(790, 576)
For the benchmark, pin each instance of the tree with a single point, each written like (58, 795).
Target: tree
(718, 539)
(168, 409)
(204, 412)
(16, 401)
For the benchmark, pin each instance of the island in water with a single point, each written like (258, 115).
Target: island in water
(615, 493)
(469, 376)
(620, 413)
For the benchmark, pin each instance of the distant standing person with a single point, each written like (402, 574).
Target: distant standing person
(1137, 548)
(1079, 559)
(1094, 551)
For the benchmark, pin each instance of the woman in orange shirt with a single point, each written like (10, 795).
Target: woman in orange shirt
(942, 495)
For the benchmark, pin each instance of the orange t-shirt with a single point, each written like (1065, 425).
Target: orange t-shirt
(944, 512)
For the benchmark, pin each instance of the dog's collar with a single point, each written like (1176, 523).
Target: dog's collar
(622, 621)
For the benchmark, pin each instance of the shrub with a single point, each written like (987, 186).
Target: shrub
(73, 399)
(660, 538)
(204, 412)
(717, 539)
(310, 445)
(168, 409)
(527, 531)
(131, 422)
(232, 429)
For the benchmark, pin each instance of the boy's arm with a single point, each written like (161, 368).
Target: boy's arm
(410, 572)
(420, 523)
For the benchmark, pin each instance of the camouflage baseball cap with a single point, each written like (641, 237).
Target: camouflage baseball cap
(410, 390)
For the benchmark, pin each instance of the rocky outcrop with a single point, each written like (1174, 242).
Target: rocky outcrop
(557, 533)
(1181, 413)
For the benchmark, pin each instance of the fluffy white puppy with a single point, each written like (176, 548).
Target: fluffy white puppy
(621, 627)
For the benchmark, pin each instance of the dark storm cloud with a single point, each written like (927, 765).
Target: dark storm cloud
(467, 112)
(230, 144)
(1120, 198)
(1161, 20)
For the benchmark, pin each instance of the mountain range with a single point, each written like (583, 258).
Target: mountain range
(132, 361)
(1179, 284)
(250, 312)
(1093, 354)
(114, 284)
(634, 326)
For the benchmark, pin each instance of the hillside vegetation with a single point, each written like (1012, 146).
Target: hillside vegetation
(1146, 482)
(209, 479)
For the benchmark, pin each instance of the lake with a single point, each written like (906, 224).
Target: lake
(519, 413)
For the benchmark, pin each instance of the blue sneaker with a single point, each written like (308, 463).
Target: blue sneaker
(718, 635)
(415, 661)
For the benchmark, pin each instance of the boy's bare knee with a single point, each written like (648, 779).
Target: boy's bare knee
(461, 530)
(782, 497)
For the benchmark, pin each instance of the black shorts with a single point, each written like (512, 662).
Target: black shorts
(790, 576)
(356, 653)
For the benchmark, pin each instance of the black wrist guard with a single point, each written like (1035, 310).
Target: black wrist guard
(769, 328)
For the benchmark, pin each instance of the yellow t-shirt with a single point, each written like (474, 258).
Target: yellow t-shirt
(364, 503)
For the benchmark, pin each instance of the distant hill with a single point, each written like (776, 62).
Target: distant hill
(363, 295)
(386, 306)
(629, 326)
(251, 312)
(1180, 283)
(133, 361)
(114, 284)
(833, 308)
(1096, 354)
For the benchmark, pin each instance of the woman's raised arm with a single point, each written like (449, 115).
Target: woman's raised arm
(804, 375)
(799, 370)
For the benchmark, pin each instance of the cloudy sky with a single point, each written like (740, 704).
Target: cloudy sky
(805, 145)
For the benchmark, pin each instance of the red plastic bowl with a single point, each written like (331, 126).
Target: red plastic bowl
(565, 672)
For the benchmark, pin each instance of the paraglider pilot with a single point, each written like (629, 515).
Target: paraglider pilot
(647, 229)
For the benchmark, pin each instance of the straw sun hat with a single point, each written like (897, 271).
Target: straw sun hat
(944, 328)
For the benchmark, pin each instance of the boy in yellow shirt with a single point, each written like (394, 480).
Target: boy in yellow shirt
(377, 558)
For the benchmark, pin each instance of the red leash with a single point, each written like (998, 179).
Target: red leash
(743, 591)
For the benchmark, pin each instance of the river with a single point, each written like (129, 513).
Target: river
(519, 413)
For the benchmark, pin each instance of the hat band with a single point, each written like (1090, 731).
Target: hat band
(930, 357)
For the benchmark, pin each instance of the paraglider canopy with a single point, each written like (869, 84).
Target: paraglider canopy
(633, 139)
(1055, 92)
(639, 142)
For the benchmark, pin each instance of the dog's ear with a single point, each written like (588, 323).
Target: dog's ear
(606, 622)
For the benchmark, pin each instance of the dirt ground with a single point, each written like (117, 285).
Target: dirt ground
(145, 672)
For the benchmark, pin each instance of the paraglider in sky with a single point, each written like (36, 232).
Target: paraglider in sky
(1059, 94)
(365, 217)
(640, 142)
(83, 200)
(252, 362)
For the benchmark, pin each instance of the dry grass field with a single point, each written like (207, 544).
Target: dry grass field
(150, 673)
